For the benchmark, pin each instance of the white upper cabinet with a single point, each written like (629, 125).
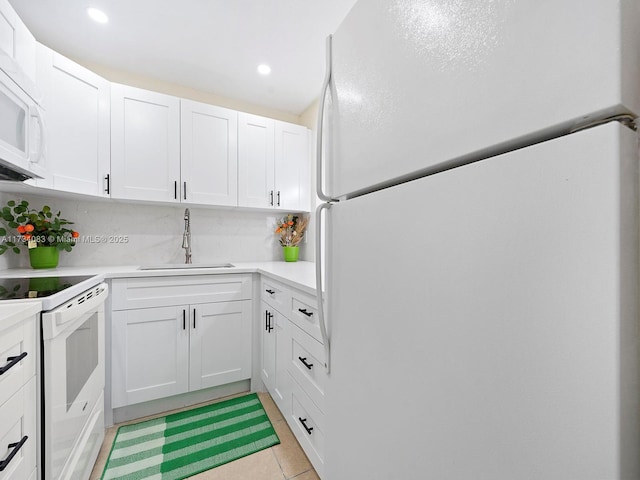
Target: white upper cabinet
(145, 145)
(16, 40)
(209, 154)
(255, 161)
(273, 164)
(78, 125)
(292, 182)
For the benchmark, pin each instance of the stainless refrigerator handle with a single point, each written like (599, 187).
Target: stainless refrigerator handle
(323, 94)
(321, 318)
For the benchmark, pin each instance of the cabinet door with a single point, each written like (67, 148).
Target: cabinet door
(209, 154)
(150, 354)
(16, 40)
(268, 350)
(292, 183)
(255, 161)
(145, 144)
(220, 343)
(282, 388)
(78, 124)
(17, 423)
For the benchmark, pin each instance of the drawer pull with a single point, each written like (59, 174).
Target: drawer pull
(12, 362)
(16, 447)
(304, 310)
(304, 362)
(270, 292)
(303, 421)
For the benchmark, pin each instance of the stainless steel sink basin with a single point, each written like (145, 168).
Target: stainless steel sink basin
(176, 266)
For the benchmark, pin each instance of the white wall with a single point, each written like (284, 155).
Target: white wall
(155, 233)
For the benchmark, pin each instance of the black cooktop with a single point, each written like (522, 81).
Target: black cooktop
(36, 287)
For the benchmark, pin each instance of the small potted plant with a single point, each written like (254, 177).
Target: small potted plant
(291, 229)
(44, 233)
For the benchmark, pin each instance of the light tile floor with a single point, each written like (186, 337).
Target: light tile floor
(280, 462)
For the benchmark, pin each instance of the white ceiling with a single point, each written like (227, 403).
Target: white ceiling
(213, 46)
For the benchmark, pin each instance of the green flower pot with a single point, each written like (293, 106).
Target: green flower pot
(290, 253)
(44, 257)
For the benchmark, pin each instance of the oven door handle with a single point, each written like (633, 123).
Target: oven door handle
(82, 304)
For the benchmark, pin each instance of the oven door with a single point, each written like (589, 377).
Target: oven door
(73, 372)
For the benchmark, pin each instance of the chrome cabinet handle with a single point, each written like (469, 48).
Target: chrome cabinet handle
(185, 190)
(16, 447)
(13, 361)
(271, 196)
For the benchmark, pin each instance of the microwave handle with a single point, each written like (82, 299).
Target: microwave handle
(36, 157)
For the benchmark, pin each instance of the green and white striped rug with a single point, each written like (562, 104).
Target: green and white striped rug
(183, 444)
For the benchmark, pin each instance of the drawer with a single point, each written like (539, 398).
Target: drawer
(303, 311)
(275, 295)
(306, 365)
(14, 343)
(18, 429)
(145, 292)
(307, 424)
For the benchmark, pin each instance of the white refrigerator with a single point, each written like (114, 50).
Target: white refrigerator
(481, 240)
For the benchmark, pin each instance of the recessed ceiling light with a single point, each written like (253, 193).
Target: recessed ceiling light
(264, 69)
(97, 15)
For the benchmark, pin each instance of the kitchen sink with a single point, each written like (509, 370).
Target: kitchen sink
(176, 266)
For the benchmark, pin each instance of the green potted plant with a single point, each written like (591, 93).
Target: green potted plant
(44, 233)
(291, 229)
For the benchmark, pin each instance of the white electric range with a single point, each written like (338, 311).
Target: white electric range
(71, 367)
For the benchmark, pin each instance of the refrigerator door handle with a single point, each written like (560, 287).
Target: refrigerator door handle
(321, 318)
(323, 94)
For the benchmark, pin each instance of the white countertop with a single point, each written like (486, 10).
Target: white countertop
(296, 274)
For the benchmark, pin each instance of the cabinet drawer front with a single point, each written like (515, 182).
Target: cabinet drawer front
(304, 313)
(148, 292)
(307, 365)
(276, 295)
(17, 421)
(14, 343)
(306, 422)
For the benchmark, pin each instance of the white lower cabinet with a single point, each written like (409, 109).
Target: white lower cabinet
(162, 351)
(150, 354)
(276, 343)
(293, 363)
(18, 401)
(220, 344)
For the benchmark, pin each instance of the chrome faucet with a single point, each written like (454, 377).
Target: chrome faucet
(186, 237)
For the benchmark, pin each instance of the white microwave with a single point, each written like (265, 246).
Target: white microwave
(22, 130)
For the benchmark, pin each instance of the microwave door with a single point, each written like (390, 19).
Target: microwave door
(21, 132)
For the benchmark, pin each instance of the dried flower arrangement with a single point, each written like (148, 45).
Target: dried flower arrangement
(291, 229)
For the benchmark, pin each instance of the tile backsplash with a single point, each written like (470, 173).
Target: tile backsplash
(120, 233)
